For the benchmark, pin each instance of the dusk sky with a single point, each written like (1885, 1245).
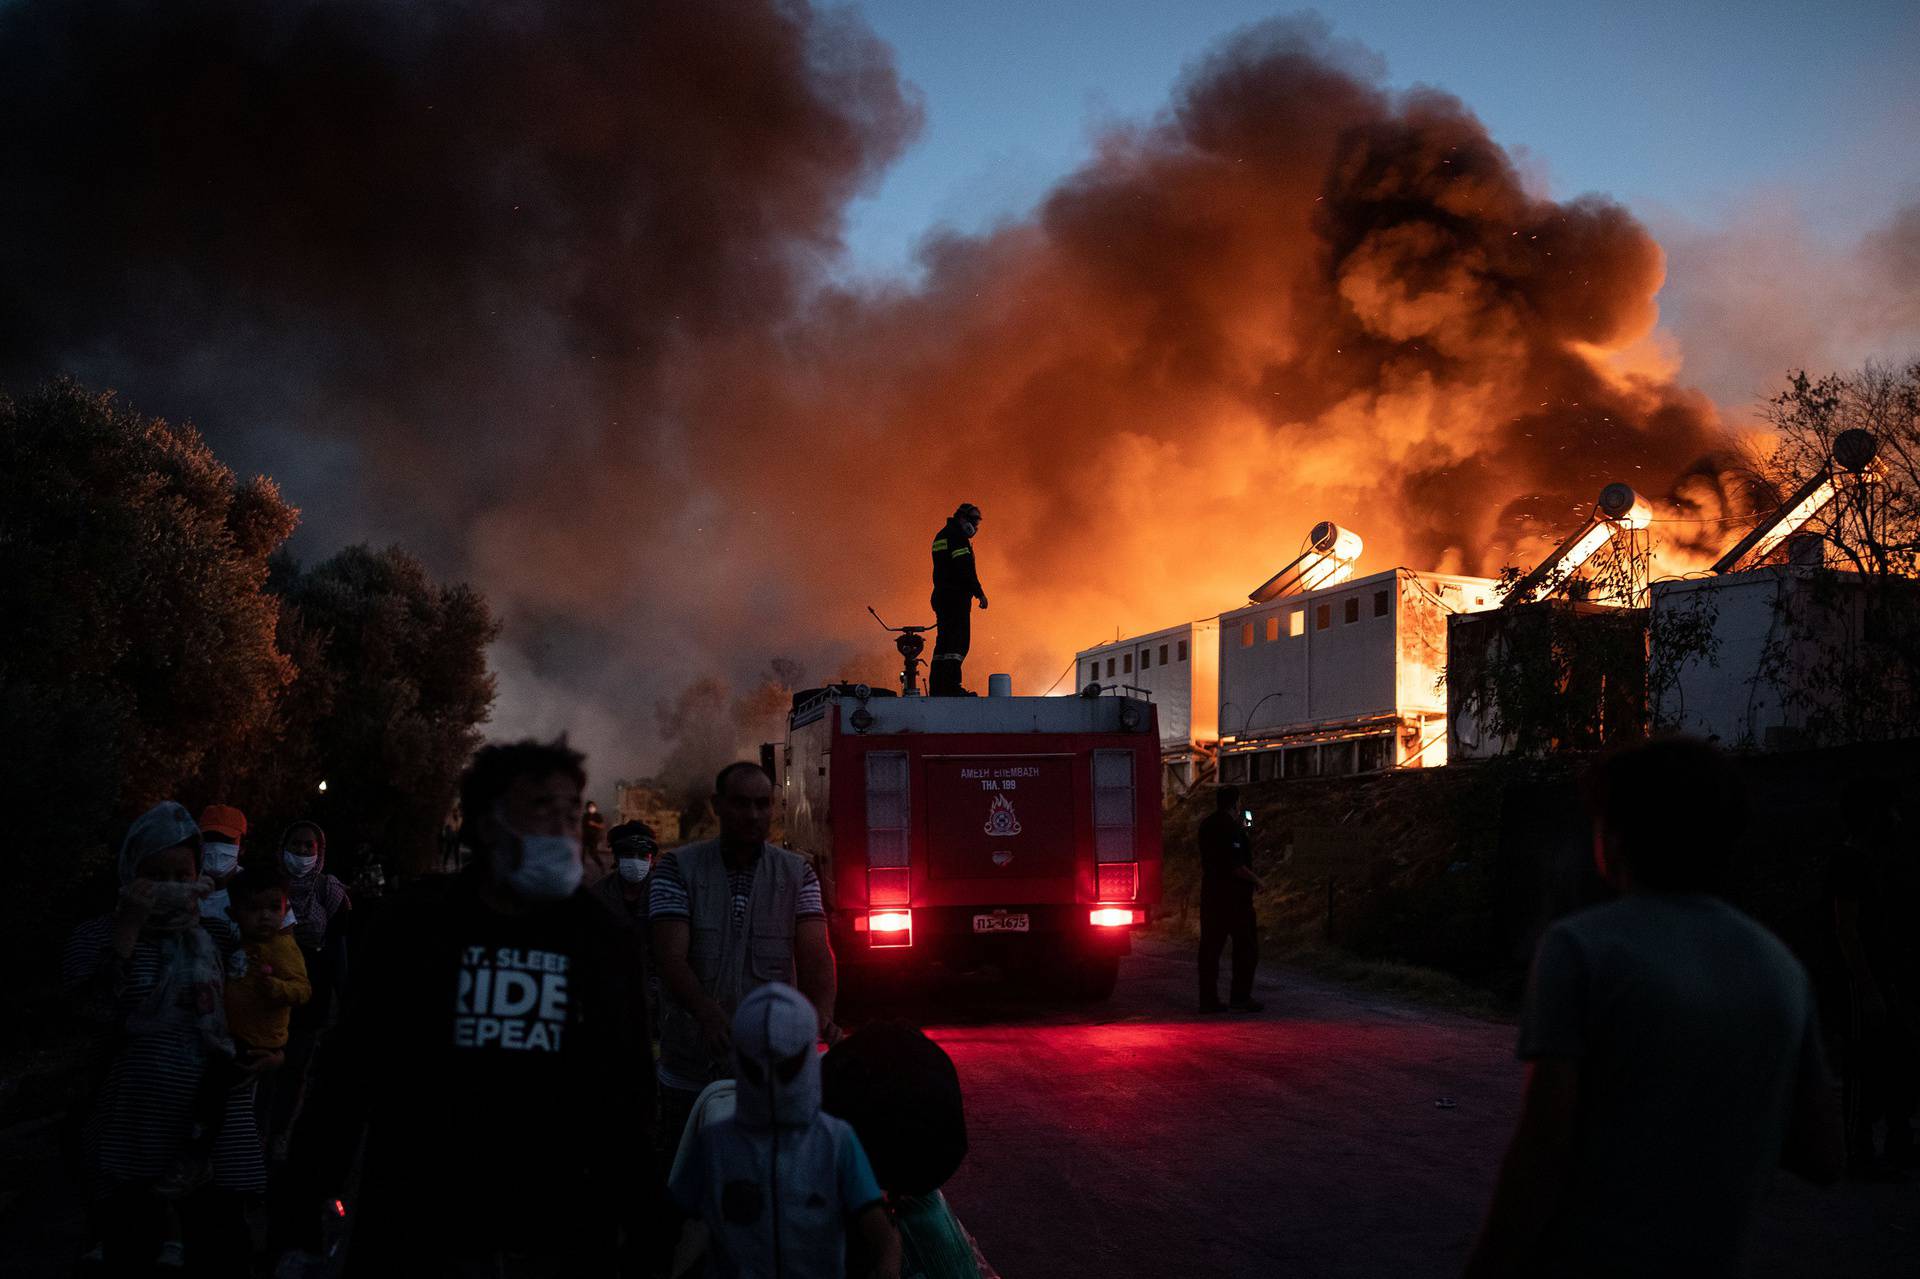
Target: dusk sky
(1693, 112)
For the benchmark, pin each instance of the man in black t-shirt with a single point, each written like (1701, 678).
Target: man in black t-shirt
(495, 1055)
(1227, 882)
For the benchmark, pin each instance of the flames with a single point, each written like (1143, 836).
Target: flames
(558, 309)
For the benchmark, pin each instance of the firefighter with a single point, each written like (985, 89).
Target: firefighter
(956, 585)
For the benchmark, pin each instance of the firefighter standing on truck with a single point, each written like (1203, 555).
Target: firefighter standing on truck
(956, 585)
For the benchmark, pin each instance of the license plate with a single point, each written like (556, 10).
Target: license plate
(1000, 924)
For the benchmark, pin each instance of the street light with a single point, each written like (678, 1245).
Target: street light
(1256, 710)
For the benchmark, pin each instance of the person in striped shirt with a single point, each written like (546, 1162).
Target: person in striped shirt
(729, 915)
(151, 974)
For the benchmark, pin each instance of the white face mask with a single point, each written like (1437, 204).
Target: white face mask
(219, 857)
(549, 868)
(633, 869)
(298, 866)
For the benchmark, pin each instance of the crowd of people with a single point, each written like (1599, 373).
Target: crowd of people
(494, 1074)
(508, 1072)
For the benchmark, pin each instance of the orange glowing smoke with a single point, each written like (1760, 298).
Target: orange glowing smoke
(1293, 297)
(544, 292)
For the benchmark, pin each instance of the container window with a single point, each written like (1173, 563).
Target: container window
(1163, 654)
(1379, 603)
(1093, 673)
(1246, 635)
(1126, 663)
(887, 808)
(1113, 806)
(1146, 659)
(1323, 617)
(1352, 609)
(1297, 623)
(1109, 668)
(1273, 627)
(1183, 650)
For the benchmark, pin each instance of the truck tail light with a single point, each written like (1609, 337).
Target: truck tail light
(888, 886)
(1115, 917)
(886, 927)
(1116, 881)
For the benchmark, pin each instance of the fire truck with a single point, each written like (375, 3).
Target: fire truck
(958, 832)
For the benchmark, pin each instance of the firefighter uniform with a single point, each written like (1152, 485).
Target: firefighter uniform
(956, 585)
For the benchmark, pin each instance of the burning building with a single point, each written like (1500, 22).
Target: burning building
(1179, 669)
(1562, 664)
(1343, 679)
(1770, 655)
(1317, 673)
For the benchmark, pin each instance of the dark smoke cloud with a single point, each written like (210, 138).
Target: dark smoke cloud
(544, 290)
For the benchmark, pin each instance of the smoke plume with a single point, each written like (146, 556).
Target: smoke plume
(546, 292)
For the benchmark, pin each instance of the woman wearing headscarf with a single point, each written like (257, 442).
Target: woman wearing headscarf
(319, 905)
(152, 972)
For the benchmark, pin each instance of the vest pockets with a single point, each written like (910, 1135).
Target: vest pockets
(772, 958)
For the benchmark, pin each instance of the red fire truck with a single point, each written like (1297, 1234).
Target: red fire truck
(960, 831)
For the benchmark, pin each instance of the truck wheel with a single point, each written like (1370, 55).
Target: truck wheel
(1093, 978)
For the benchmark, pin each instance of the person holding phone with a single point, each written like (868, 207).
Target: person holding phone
(1227, 882)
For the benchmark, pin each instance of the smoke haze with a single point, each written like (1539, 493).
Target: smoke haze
(546, 293)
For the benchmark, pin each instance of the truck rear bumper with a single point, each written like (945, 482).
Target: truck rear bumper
(950, 935)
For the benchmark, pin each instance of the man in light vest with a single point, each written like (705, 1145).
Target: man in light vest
(728, 916)
(956, 585)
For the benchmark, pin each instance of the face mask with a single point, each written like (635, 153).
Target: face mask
(549, 868)
(219, 858)
(176, 907)
(298, 866)
(633, 869)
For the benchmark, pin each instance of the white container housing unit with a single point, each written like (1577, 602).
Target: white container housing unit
(1345, 679)
(1788, 663)
(1178, 668)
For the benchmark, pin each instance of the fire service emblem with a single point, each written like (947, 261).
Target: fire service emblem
(1001, 821)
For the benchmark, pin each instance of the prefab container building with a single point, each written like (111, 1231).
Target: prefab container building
(1179, 669)
(1341, 680)
(1553, 675)
(1781, 657)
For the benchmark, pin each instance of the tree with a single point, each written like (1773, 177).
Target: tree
(138, 661)
(1844, 654)
(386, 711)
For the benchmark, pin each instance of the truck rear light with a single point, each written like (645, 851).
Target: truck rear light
(886, 927)
(1115, 917)
(888, 886)
(1116, 881)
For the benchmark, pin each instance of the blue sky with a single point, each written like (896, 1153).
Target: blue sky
(1691, 113)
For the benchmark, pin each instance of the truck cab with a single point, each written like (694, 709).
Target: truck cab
(1022, 832)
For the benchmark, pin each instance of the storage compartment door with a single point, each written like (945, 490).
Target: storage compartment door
(1000, 816)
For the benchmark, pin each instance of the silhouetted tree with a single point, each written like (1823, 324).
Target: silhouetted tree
(393, 687)
(138, 659)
